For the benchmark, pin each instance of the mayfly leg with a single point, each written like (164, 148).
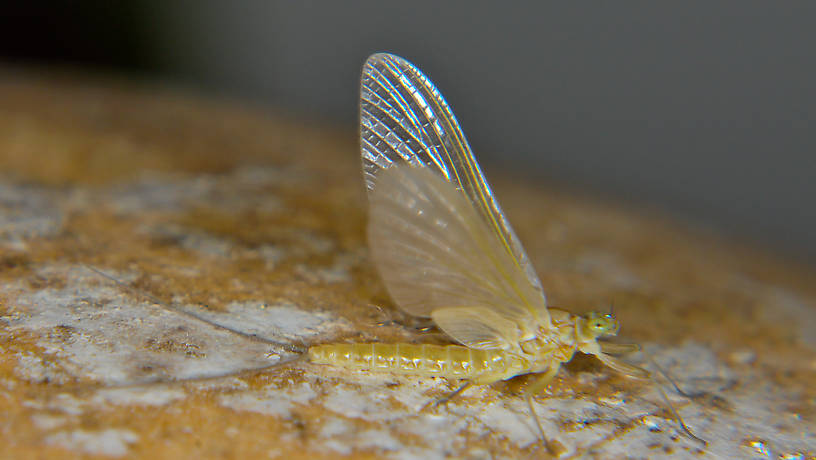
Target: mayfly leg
(619, 348)
(670, 379)
(426, 325)
(387, 320)
(444, 400)
(553, 447)
(634, 371)
(673, 411)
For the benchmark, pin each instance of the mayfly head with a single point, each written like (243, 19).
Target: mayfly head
(598, 324)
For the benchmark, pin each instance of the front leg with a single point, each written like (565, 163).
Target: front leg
(619, 348)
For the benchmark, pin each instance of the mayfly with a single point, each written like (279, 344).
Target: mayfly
(445, 250)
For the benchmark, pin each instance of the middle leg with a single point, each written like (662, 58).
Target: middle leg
(539, 384)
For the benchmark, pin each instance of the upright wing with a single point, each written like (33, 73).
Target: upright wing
(436, 231)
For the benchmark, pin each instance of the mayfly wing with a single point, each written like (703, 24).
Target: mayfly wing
(437, 257)
(477, 327)
(436, 232)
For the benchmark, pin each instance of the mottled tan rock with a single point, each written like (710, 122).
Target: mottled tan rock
(256, 223)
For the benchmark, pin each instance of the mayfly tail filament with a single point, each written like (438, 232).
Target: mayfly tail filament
(157, 301)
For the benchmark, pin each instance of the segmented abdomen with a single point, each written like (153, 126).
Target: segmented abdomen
(445, 361)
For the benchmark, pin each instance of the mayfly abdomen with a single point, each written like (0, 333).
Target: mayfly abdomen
(445, 361)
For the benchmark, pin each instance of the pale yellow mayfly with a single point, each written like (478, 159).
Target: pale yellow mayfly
(444, 250)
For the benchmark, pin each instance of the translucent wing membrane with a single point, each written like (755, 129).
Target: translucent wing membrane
(477, 327)
(434, 252)
(437, 233)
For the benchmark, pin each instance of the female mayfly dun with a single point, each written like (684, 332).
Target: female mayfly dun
(444, 250)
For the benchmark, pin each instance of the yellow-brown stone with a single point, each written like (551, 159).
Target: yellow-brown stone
(257, 222)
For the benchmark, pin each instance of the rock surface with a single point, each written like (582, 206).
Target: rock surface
(251, 228)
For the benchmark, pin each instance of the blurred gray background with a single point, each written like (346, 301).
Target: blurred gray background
(704, 109)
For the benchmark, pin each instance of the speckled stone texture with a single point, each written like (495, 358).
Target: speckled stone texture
(251, 227)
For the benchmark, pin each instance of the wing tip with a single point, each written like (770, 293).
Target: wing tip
(383, 56)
